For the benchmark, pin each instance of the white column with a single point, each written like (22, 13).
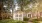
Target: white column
(27, 15)
(14, 16)
(31, 15)
(22, 16)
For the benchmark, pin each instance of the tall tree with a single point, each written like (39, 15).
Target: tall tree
(24, 4)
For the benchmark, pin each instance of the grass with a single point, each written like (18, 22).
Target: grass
(11, 21)
(6, 21)
(16, 21)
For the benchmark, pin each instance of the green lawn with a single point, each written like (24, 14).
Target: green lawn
(15, 21)
(11, 21)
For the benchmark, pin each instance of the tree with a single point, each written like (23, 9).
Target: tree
(24, 4)
(7, 5)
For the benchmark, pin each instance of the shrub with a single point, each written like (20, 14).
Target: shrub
(25, 19)
(35, 20)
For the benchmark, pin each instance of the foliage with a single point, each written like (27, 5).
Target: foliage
(24, 22)
(23, 3)
(11, 21)
(35, 20)
(25, 19)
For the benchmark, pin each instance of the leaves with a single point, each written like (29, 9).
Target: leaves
(23, 2)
